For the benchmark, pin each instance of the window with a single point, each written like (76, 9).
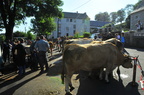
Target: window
(74, 26)
(67, 34)
(70, 20)
(74, 31)
(67, 29)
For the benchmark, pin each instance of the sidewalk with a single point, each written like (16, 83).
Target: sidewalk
(48, 83)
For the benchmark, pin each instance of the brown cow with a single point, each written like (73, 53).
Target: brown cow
(113, 41)
(90, 57)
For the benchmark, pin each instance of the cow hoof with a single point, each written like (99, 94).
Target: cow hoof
(71, 89)
(68, 93)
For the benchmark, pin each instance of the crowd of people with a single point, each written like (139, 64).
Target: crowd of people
(20, 52)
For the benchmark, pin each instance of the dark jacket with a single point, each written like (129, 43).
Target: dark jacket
(20, 55)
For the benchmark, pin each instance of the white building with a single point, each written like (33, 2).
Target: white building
(72, 23)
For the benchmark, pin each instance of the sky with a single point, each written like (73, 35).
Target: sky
(91, 7)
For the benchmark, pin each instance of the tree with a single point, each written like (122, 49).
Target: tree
(102, 17)
(139, 4)
(113, 17)
(19, 34)
(30, 35)
(43, 25)
(128, 9)
(121, 15)
(13, 11)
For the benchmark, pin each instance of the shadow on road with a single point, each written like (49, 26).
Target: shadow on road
(97, 87)
(10, 90)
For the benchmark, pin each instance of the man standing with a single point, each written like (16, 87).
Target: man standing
(139, 26)
(19, 56)
(42, 47)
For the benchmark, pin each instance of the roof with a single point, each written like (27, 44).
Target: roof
(138, 10)
(75, 15)
(98, 23)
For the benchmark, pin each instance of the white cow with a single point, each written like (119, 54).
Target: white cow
(90, 57)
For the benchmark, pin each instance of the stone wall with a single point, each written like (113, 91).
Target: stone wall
(135, 16)
(134, 39)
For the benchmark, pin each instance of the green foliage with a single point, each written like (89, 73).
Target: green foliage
(30, 36)
(2, 38)
(102, 17)
(15, 11)
(19, 34)
(86, 34)
(139, 4)
(43, 25)
(121, 15)
(76, 35)
(113, 17)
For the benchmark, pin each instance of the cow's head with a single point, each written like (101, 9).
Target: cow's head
(127, 62)
(116, 42)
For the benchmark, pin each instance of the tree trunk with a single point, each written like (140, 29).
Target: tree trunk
(9, 32)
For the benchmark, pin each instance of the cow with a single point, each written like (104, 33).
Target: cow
(77, 41)
(111, 40)
(87, 40)
(90, 57)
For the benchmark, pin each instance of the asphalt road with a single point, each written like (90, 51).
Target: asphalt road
(49, 83)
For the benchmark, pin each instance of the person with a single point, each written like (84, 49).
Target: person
(139, 26)
(122, 39)
(51, 47)
(20, 54)
(34, 57)
(15, 43)
(42, 47)
(6, 51)
(117, 36)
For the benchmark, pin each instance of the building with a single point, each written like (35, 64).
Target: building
(136, 15)
(96, 26)
(71, 24)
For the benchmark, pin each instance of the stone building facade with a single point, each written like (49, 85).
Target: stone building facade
(71, 24)
(135, 16)
(134, 38)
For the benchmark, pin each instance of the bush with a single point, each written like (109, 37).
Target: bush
(86, 34)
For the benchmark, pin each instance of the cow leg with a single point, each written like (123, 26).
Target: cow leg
(106, 76)
(101, 74)
(68, 83)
